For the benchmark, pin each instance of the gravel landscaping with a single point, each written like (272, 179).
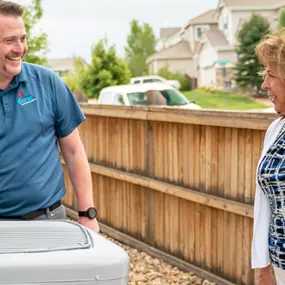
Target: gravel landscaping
(146, 270)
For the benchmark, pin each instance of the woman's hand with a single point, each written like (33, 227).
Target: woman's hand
(266, 276)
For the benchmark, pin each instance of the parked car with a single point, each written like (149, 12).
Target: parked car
(145, 94)
(155, 78)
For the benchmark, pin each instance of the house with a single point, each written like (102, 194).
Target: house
(169, 36)
(178, 45)
(215, 55)
(61, 65)
(193, 30)
(205, 47)
(178, 57)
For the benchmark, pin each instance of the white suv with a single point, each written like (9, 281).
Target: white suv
(145, 94)
(155, 78)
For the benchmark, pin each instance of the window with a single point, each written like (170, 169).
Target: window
(107, 98)
(199, 33)
(173, 97)
(147, 80)
(151, 80)
(118, 99)
(225, 22)
(138, 98)
(136, 82)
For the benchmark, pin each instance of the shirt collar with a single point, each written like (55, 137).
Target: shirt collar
(21, 77)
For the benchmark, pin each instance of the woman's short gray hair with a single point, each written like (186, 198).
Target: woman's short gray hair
(271, 50)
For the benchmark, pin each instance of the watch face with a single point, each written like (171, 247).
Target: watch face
(92, 213)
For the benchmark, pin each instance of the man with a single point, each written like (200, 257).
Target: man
(37, 111)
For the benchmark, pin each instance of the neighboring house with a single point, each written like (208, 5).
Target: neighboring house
(215, 59)
(178, 45)
(193, 30)
(61, 65)
(205, 47)
(178, 57)
(169, 36)
(216, 55)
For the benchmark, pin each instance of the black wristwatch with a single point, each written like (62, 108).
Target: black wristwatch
(91, 213)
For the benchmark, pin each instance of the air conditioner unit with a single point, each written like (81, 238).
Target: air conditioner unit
(59, 252)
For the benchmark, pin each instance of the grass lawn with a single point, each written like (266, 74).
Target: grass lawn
(222, 100)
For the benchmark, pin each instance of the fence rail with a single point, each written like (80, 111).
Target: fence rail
(181, 181)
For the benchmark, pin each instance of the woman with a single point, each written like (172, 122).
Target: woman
(268, 244)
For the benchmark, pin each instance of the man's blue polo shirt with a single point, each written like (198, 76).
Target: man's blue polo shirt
(35, 110)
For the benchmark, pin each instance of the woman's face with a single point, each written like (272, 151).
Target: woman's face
(275, 86)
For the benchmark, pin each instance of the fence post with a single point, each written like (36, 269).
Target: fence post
(149, 162)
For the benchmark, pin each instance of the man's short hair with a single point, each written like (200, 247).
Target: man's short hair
(8, 8)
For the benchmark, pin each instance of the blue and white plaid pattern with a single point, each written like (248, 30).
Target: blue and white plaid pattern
(271, 178)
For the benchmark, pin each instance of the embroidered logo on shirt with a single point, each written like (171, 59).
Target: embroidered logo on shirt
(25, 100)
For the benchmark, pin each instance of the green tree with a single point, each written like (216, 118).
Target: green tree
(141, 43)
(37, 44)
(106, 69)
(167, 74)
(75, 77)
(282, 19)
(248, 67)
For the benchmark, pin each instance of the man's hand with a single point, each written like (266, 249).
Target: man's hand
(266, 276)
(90, 224)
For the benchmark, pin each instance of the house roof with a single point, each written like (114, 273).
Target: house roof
(216, 38)
(168, 32)
(181, 50)
(250, 3)
(61, 63)
(207, 17)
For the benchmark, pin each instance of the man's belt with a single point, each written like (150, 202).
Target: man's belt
(34, 214)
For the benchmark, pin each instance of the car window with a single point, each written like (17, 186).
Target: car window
(137, 98)
(106, 98)
(118, 99)
(150, 80)
(147, 80)
(136, 81)
(173, 97)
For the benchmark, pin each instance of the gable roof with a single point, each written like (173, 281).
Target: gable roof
(251, 3)
(181, 50)
(208, 17)
(216, 38)
(168, 32)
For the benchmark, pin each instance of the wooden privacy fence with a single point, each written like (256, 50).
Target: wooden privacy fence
(179, 184)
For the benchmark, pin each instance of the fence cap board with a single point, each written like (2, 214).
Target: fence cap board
(220, 118)
(126, 112)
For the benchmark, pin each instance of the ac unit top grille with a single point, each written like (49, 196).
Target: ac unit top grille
(42, 236)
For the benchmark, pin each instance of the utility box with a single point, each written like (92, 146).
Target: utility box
(59, 252)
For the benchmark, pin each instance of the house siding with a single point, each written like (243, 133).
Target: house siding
(207, 56)
(226, 17)
(227, 55)
(206, 61)
(175, 65)
(239, 17)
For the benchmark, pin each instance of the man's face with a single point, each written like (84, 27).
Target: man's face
(13, 46)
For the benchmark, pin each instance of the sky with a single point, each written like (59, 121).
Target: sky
(74, 26)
